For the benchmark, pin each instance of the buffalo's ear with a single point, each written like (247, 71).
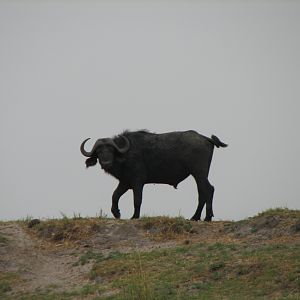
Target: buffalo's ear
(121, 143)
(91, 161)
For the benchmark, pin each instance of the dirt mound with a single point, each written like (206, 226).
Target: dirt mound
(60, 255)
(270, 225)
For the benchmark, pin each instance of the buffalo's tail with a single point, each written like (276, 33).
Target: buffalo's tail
(215, 140)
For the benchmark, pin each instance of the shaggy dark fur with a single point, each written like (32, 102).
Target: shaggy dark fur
(167, 158)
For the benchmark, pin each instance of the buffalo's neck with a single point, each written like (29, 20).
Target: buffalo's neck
(116, 171)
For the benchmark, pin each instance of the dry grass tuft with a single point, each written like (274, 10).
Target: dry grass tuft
(68, 230)
(161, 228)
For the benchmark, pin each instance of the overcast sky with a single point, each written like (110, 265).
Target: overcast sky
(76, 69)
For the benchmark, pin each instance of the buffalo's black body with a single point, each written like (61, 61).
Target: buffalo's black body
(141, 157)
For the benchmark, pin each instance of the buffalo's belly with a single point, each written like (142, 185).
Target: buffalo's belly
(169, 176)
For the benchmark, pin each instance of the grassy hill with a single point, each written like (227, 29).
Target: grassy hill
(152, 258)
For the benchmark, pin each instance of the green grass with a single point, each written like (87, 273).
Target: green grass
(218, 271)
(7, 283)
(89, 256)
(50, 294)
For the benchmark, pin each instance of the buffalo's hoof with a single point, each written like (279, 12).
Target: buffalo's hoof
(116, 213)
(135, 217)
(195, 219)
(207, 219)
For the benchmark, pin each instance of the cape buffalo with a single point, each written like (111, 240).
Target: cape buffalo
(141, 157)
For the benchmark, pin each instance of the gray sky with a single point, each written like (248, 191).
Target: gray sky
(76, 69)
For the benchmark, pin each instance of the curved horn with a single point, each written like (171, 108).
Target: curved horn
(89, 154)
(123, 149)
(83, 152)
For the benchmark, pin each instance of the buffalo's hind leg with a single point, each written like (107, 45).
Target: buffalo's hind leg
(209, 201)
(205, 196)
(119, 191)
(201, 202)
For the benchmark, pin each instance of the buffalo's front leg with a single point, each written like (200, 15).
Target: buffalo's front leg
(137, 199)
(119, 191)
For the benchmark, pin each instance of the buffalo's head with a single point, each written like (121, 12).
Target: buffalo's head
(105, 151)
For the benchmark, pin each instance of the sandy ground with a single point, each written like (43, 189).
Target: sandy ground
(38, 268)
